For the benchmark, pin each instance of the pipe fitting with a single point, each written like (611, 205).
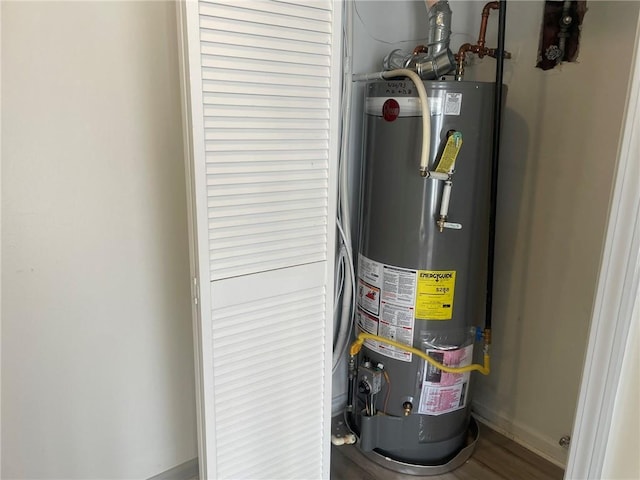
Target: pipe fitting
(479, 49)
(433, 66)
(435, 59)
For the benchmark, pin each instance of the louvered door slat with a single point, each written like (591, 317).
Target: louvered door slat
(260, 198)
(270, 228)
(266, 145)
(284, 134)
(254, 87)
(254, 213)
(263, 196)
(239, 76)
(217, 98)
(288, 235)
(271, 42)
(233, 10)
(222, 24)
(268, 125)
(262, 66)
(248, 112)
(309, 9)
(243, 167)
(249, 51)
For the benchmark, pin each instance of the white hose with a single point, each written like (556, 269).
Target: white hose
(344, 224)
(349, 290)
(338, 279)
(424, 104)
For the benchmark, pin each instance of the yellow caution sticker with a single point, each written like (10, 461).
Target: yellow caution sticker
(450, 153)
(434, 294)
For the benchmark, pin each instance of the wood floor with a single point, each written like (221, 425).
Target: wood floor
(495, 458)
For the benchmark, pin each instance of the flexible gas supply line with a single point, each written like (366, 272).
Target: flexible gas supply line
(483, 369)
(424, 104)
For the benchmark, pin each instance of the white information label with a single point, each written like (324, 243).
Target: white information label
(395, 332)
(393, 352)
(399, 285)
(370, 271)
(386, 301)
(367, 323)
(445, 392)
(397, 315)
(452, 103)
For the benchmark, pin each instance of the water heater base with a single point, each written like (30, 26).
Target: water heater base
(473, 434)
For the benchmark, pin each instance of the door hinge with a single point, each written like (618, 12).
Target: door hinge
(196, 291)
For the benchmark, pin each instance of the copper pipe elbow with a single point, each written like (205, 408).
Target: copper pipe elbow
(464, 48)
(490, 6)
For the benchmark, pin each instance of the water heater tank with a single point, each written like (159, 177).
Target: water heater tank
(416, 284)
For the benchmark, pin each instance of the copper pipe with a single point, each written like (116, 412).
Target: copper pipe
(420, 49)
(480, 48)
(460, 57)
(464, 48)
(483, 23)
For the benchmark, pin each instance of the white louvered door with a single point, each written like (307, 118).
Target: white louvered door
(261, 95)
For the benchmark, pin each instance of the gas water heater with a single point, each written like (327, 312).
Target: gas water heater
(421, 283)
(422, 266)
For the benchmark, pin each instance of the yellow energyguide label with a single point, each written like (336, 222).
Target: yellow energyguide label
(434, 294)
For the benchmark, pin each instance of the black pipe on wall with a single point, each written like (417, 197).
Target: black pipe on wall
(495, 156)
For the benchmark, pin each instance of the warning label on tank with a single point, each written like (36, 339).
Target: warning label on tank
(369, 297)
(367, 323)
(372, 324)
(434, 297)
(445, 392)
(386, 305)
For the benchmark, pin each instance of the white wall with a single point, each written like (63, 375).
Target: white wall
(560, 139)
(97, 361)
(560, 142)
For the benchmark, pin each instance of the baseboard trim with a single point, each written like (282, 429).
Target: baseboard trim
(185, 471)
(541, 445)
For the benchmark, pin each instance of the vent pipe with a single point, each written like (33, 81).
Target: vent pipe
(435, 59)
